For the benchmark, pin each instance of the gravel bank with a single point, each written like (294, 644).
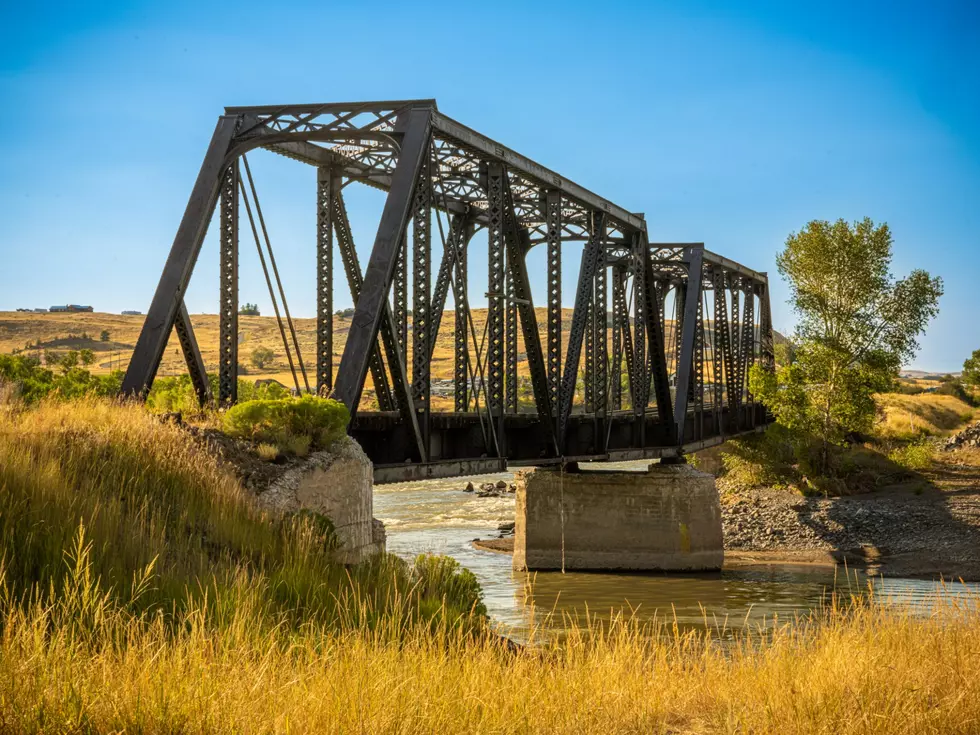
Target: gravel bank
(927, 528)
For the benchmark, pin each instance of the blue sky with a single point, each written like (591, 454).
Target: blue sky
(728, 123)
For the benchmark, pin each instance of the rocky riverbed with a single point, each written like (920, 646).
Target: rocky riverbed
(927, 527)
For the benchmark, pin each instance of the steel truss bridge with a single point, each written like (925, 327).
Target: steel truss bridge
(622, 381)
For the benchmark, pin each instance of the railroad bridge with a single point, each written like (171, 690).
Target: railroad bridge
(652, 363)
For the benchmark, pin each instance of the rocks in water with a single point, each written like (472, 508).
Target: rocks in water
(506, 529)
(469, 488)
(512, 488)
(501, 485)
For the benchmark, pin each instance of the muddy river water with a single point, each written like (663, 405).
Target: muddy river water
(436, 516)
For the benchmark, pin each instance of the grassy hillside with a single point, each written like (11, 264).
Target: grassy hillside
(925, 414)
(62, 332)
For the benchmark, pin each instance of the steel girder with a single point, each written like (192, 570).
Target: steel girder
(426, 161)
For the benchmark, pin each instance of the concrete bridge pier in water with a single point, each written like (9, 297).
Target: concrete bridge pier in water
(665, 519)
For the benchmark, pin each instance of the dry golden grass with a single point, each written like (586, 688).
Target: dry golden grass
(182, 609)
(863, 671)
(924, 414)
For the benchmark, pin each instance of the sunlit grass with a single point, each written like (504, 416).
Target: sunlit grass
(75, 662)
(141, 592)
(924, 414)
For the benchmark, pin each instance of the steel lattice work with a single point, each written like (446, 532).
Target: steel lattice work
(653, 363)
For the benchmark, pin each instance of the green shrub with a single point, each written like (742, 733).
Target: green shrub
(281, 422)
(754, 460)
(912, 456)
(177, 393)
(444, 582)
(32, 382)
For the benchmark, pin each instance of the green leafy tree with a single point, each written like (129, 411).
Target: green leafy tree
(262, 356)
(857, 325)
(68, 361)
(248, 309)
(104, 336)
(86, 356)
(971, 369)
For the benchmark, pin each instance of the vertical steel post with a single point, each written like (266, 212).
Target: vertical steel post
(685, 365)
(601, 342)
(553, 228)
(589, 379)
(510, 338)
(495, 306)
(399, 298)
(326, 184)
(461, 374)
(228, 313)
(618, 302)
(421, 288)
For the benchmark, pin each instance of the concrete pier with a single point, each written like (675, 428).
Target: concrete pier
(665, 519)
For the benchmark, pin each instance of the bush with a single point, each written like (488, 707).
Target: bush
(912, 456)
(31, 382)
(281, 422)
(262, 356)
(444, 583)
(177, 393)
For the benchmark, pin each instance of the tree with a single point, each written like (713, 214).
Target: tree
(262, 356)
(856, 327)
(68, 361)
(971, 369)
(248, 309)
(87, 356)
(105, 335)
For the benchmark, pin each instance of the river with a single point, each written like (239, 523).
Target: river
(436, 516)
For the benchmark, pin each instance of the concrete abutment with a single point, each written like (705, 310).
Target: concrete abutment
(665, 519)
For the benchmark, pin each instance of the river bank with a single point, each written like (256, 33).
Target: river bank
(928, 527)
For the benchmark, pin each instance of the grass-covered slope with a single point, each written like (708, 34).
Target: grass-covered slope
(163, 527)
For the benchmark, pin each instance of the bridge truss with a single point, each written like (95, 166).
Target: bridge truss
(620, 381)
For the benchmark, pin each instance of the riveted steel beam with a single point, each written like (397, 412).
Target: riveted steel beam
(591, 256)
(192, 356)
(380, 269)
(180, 263)
(688, 337)
(355, 279)
(327, 183)
(228, 293)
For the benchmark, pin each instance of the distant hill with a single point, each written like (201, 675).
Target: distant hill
(74, 331)
(924, 375)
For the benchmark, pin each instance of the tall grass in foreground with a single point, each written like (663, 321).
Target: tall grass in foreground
(140, 592)
(863, 670)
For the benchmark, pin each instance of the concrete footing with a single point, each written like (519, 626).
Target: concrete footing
(665, 519)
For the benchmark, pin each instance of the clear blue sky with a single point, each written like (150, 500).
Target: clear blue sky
(728, 123)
